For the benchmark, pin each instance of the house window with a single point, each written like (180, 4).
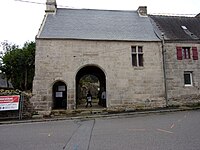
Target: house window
(137, 56)
(185, 53)
(188, 78)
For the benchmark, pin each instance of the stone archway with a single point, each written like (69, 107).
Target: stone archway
(93, 71)
(59, 95)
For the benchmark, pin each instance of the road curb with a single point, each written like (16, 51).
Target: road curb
(96, 116)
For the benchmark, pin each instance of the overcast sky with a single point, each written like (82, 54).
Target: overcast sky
(20, 21)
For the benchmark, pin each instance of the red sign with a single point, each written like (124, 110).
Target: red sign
(9, 102)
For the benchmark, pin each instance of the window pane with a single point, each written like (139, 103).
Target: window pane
(183, 53)
(187, 78)
(186, 52)
(133, 49)
(140, 49)
(140, 57)
(134, 59)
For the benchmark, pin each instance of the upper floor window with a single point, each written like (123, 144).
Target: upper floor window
(185, 53)
(137, 56)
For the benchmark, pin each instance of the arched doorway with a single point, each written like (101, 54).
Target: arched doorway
(96, 74)
(59, 95)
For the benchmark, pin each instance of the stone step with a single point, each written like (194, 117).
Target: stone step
(85, 111)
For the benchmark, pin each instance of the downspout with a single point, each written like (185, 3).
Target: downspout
(164, 68)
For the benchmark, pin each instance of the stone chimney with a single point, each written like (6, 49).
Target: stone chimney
(142, 10)
(51, 6)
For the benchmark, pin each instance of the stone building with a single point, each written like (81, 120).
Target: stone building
(181, 42)
(120, 48)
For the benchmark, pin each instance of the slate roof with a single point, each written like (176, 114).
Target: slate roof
(97, 25)
(177, 27)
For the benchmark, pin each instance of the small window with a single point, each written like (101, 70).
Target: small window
(133, 49)
(140, 58)
(186, 52)
(140, 49)
(137, 56)
(134, 55)
(134, 59)
(188, 78)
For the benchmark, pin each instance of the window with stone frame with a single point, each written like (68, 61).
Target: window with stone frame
(137, 56)
(188, 78)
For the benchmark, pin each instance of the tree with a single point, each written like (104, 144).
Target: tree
(18, 64)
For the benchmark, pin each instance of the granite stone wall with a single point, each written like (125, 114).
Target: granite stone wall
(178, 92)
(60, 60)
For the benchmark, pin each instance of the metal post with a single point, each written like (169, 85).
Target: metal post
(21, 106)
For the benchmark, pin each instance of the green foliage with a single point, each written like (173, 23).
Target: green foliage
(89, 78)
(18, 65)
(9, 92)
(88, 82)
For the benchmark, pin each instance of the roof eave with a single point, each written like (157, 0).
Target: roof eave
(182, 41)
(87, 39)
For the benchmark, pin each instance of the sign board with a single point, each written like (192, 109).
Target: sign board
(61, 88)
(59, 94)
(9, 102)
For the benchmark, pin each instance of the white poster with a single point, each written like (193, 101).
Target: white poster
(59, 94)
(61, 88)
(9, 102)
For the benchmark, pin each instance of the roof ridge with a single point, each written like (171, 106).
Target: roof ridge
(172, 16)
(98, 9)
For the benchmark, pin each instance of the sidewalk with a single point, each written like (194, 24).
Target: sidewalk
(89, 115)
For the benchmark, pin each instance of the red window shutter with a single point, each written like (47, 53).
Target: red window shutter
(195, 53)
(179, 53)
(189, 54)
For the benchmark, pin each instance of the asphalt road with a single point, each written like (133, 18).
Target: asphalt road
(166, 131)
